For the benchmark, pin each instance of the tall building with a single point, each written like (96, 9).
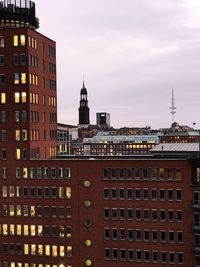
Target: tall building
(103, 118)
(71, 212)
(84, 111)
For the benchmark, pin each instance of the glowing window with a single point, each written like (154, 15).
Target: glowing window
(88, 262)
(26, 230)
(32, 211)
(16, 78)
(4, 191)
(12, 210)
(23, 78)
(25, 173)
(17, 97)
(19, 210)
(40, 230)
(32, 230)
(5, 229)
(22, 40)
(23, 97)
(40, 250)
(33, 249)
(62, 251)
(47, 250)
(11, 191)
(68, 192)
(54, 251)
(26, 249)
(12, 229)
(19, 229)
(3, 98)
(2, 41)
(17, 135)
(15, 40)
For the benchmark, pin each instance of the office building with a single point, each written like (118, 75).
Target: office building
(103, 119)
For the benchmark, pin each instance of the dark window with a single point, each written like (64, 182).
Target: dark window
(154, 235)
(130, 234)
(138, 255)
(170, 215)
(130, 255)
(162, 215)
(178, 194)
(171, 236)
(106, 193)
(154, 215)
(145, 194)
(122, 234)
(162, 194)
(137, 194)
(179, 216)
(146, 256)
(130, 214)
(153, 194)
(155, 256)
(122, 254)
(179, 237)
(146, 235)
(171, 257)
(138, 235)
(107, 253)
(2, 60)
(114, 233)
(146, 214)
(106, 213)
(114, 193)
(2, 78)
(105, 174)
(115, 254)
(138, 214)
(114, 213)
(180, 257)
(163, 236)
(129, 193)
(121, 193)
(122, 214)
(163, 257)
(170, 194)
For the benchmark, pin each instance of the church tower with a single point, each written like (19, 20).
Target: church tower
(84, 111)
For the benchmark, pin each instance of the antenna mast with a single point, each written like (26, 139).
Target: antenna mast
(172, 108)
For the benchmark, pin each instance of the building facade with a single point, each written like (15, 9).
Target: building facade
(72, 212)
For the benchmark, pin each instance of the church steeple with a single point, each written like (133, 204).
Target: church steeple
(84, 111)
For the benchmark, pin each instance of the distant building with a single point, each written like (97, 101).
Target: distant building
(66, 134)
(103, 118)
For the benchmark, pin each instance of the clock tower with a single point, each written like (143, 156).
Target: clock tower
(84, 111)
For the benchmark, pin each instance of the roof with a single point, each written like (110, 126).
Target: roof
(177, 147)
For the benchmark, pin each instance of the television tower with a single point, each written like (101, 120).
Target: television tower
(172, 108)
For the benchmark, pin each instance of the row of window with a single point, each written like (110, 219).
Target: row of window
(36, 230)
(21, 97)
(143, 256)
(26, 264)
(52, 101)
(52, 68)
(33, 79)
(138, 214)
(142, 194)
(21, 78)
(146, 235)
(142, 173)
(19, 40)
(21, 115)
(43, 173)
(36, 192)
(36, 211)
(37, 250)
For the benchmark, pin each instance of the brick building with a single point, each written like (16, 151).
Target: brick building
(72, 212)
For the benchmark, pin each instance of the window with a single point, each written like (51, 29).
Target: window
(171, 236)
(138, 214)
(130, 214)
(130, 255)
(163, 236)
(2, 79)
(129, 194)
(107, 233)
(162, 194)
(138, 235)
(170, 194)
(178, 194)
(130, 234)
(179, 237)
(145, 194)
(2, 41)
(154, 215)
(137, 194)
(146, 256)
(171, 215)
(106, 193)
(138, 255)
(15, 40)
(180, 257)
(23, 97)
(155, 256)
(179, 216)
(2, 116)
(171, 257)
(114, 193)
(2, 60)
(17, 97)
(163, 257)
(23, 78)
(154, 235)
(146, 235)
(153, 194)
(16, 78)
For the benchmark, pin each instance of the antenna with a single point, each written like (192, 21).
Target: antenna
(172, 108)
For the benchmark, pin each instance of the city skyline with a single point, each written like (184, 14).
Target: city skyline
(131, 56)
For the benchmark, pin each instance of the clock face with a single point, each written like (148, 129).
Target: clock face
(82, 104)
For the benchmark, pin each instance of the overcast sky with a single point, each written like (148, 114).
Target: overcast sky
(132, 53)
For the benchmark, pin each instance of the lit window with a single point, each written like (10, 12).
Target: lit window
(33, 249)
(17, 135)
(12, 229)
(25, 229)
(19, 229)
(5, 229)
(40, 250)
(1, 41)
(68, 192)
(26, 249)
(40, 230)
(3, 98)
(69, 251)
(17, 97)
(15, 40)
(47, 250)
(22, 40)
(12, 210)
(18, 153)
(62, 251)
(23, 78)
(23, 97)
(16, 78)
(2, 60)
(54, 251)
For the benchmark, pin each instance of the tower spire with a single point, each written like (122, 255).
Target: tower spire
(172, 108)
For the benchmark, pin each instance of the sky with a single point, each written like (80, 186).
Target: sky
(131, 53)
